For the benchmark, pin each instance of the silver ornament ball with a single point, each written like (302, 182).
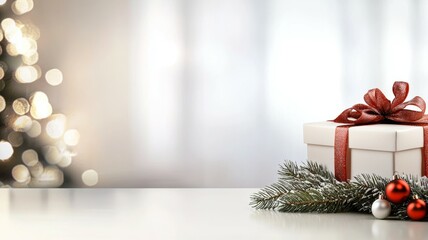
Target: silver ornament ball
(381, 208)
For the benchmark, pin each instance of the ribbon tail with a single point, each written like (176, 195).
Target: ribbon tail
(341, 155)
(425, 152)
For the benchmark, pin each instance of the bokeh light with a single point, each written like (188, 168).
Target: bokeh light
(22, 124)
(30, 157)
(40, 106)
(50, 177)
(15, 138)
(31, 59)
(20, 7)
(6, 150)
(20, 173)
(2, 103)
(35, 130)
(54, 77)
(56, 126)
(36, 170)
(21, 106)
(71, 137)
(52, 154)
(90, 177)
(66, 159)
(2, 2)
(1, 71)
(26, 74)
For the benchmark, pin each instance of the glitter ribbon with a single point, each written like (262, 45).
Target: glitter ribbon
(379, 110)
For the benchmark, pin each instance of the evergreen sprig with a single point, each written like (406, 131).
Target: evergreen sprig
(312, 188)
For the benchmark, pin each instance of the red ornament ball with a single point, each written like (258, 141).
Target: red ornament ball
(397, 191)
(417, 209)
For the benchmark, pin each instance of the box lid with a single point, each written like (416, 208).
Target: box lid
(380, 137)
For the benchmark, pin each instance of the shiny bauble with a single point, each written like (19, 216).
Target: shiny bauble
(397, 191)
(381, 208)
(417, 209)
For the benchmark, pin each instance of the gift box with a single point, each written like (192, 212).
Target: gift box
(377, 148)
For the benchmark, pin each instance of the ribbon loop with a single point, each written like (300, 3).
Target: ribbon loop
(379, 108)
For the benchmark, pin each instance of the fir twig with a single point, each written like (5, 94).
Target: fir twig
(312, 188)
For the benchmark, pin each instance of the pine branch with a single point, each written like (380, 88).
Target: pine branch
(312, 188)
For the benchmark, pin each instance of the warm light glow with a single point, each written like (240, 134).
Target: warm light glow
(51, 177)
(20, 173)
(56, 126)
(15, 138)
(11, 50)
(36, 170)
(21, 106)
(30, 60)
(52, 154)
(13, 34)
(8, 24)
(30, 157)
(54, 77)
(26, 46)
(90, 177)
(35, 130)
(22, 124)
(2, 103)
(71, 137)
(1, 72)
(6, 150)
(26, 74)
(20, 7)
(66, 159)
(40, 106)
(2, 2)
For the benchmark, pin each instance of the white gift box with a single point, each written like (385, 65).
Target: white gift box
(380, 148)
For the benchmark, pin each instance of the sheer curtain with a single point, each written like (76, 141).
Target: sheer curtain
(230, 83)
(213, 93)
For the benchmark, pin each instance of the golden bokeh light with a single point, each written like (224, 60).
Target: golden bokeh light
(21, 106)
(71, 137)
(6, 150)
(8, 24)
(15, 138)
(36, 170)
(30, 157)
(30, 60)
(51, 177)
(56, 126)
(20, 173)
(1, 72)
(52, 154)
(25, 46)
(11, 50)
(20, 7)
(54, 77)
(35, 130)
(22, 124)
(90, 177)
(66, 160)
(40, 106)
(26, 74)
(2, 103)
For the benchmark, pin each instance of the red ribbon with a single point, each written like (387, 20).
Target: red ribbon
(379, 110)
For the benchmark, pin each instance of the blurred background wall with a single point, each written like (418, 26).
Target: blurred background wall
(213, 93)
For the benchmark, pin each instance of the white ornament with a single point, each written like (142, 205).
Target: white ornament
(381, 208)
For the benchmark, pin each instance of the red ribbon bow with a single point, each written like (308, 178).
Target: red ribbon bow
(379, 108)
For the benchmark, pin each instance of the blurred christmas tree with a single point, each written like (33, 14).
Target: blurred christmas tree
(35, 145)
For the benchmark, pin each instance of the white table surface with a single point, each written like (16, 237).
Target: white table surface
(176, 214)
